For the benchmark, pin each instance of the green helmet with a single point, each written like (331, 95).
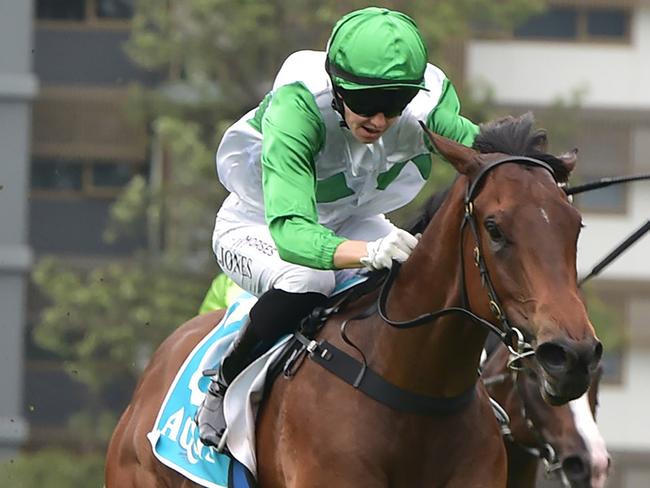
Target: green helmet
(376, 48)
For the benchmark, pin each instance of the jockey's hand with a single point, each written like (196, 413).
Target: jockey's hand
(396, 245)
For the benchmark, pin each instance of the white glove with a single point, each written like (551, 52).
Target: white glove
(396, 245)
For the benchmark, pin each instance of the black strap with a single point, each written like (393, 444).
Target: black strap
(604, 182)
(630, 240)
(334, 304)
(472, 188)
(427, 317)
(334, 70)
(372, 384)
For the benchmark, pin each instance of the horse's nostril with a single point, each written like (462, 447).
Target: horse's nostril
(574, 467)
(598, 353)
(552, 356)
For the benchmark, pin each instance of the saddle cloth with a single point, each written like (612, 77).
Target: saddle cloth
(174, 437)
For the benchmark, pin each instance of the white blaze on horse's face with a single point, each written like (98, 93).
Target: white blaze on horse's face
(544, 215)
(586, 426)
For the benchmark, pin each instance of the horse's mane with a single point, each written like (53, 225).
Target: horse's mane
(517, 137)
(509, 135)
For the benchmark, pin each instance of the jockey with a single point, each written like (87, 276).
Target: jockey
(312, 170)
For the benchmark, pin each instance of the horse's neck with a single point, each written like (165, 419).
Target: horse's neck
(439, 358)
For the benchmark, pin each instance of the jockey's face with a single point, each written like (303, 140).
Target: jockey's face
(367, 129)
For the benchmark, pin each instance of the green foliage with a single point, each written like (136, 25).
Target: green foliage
(102, 322)
(607, 320)
(54, 469)
(129, 211)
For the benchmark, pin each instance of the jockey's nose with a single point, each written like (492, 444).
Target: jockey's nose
(379, 120)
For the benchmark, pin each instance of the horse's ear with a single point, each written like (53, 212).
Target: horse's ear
(463, 158)
(569, 159)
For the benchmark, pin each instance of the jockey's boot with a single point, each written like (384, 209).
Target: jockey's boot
(275, 314)
(210, 418)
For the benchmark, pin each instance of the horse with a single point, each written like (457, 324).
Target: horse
(421, 339)
(565, 437)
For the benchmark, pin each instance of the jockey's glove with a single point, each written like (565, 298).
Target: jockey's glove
(397, 245)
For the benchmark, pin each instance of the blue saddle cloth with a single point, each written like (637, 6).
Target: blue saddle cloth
(174, 438)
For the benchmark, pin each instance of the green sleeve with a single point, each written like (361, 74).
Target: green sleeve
(293, 133)
(445, 118)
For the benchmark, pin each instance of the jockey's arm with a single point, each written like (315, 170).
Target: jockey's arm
(293, 134)
(445, 118)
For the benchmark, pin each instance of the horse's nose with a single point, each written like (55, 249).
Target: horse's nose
(576, 469)
(562, 355)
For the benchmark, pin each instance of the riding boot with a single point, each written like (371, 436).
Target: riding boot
(275, 314)
(210, 416)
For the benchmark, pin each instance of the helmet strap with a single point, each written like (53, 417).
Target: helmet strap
(337, 100)
(337, 105)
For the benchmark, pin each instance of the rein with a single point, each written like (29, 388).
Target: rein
(512, 337)
(544, 451)
(604, 182)
(361, 377)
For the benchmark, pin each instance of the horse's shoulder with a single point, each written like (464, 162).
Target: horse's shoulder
(191, 332)
(175, 348)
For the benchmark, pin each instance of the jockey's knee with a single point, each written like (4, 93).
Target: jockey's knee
(306, 280)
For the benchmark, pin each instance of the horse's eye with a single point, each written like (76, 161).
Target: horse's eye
(493, 230)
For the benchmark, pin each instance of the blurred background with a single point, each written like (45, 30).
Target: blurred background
(110, 114)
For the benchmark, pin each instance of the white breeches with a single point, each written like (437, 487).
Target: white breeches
(247, 254)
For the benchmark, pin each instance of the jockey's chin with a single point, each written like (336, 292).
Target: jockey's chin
(368, 129)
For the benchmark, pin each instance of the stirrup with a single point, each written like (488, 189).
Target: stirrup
(209, 417)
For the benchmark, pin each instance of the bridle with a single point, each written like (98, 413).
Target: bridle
(360, 376)
(544, 450)
(511, 336)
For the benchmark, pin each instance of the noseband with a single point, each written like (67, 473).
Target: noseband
(511, 336)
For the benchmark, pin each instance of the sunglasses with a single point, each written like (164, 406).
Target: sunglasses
(389, 101)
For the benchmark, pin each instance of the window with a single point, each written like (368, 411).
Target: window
(114, 9)
(604, 151)
(577, 24)
(53, 177)
(84, 11)
(556, 23)
(58, 176)
(612, 23)
(111, 175)
(61, 9)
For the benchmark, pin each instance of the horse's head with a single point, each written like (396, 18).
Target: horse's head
(566, 437)
(523, 236)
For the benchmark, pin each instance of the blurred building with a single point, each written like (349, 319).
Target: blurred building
(595, 52)
(18, 87)
(83, 150)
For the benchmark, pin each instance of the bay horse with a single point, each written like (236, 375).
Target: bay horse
(506, 213)
(564, 437)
